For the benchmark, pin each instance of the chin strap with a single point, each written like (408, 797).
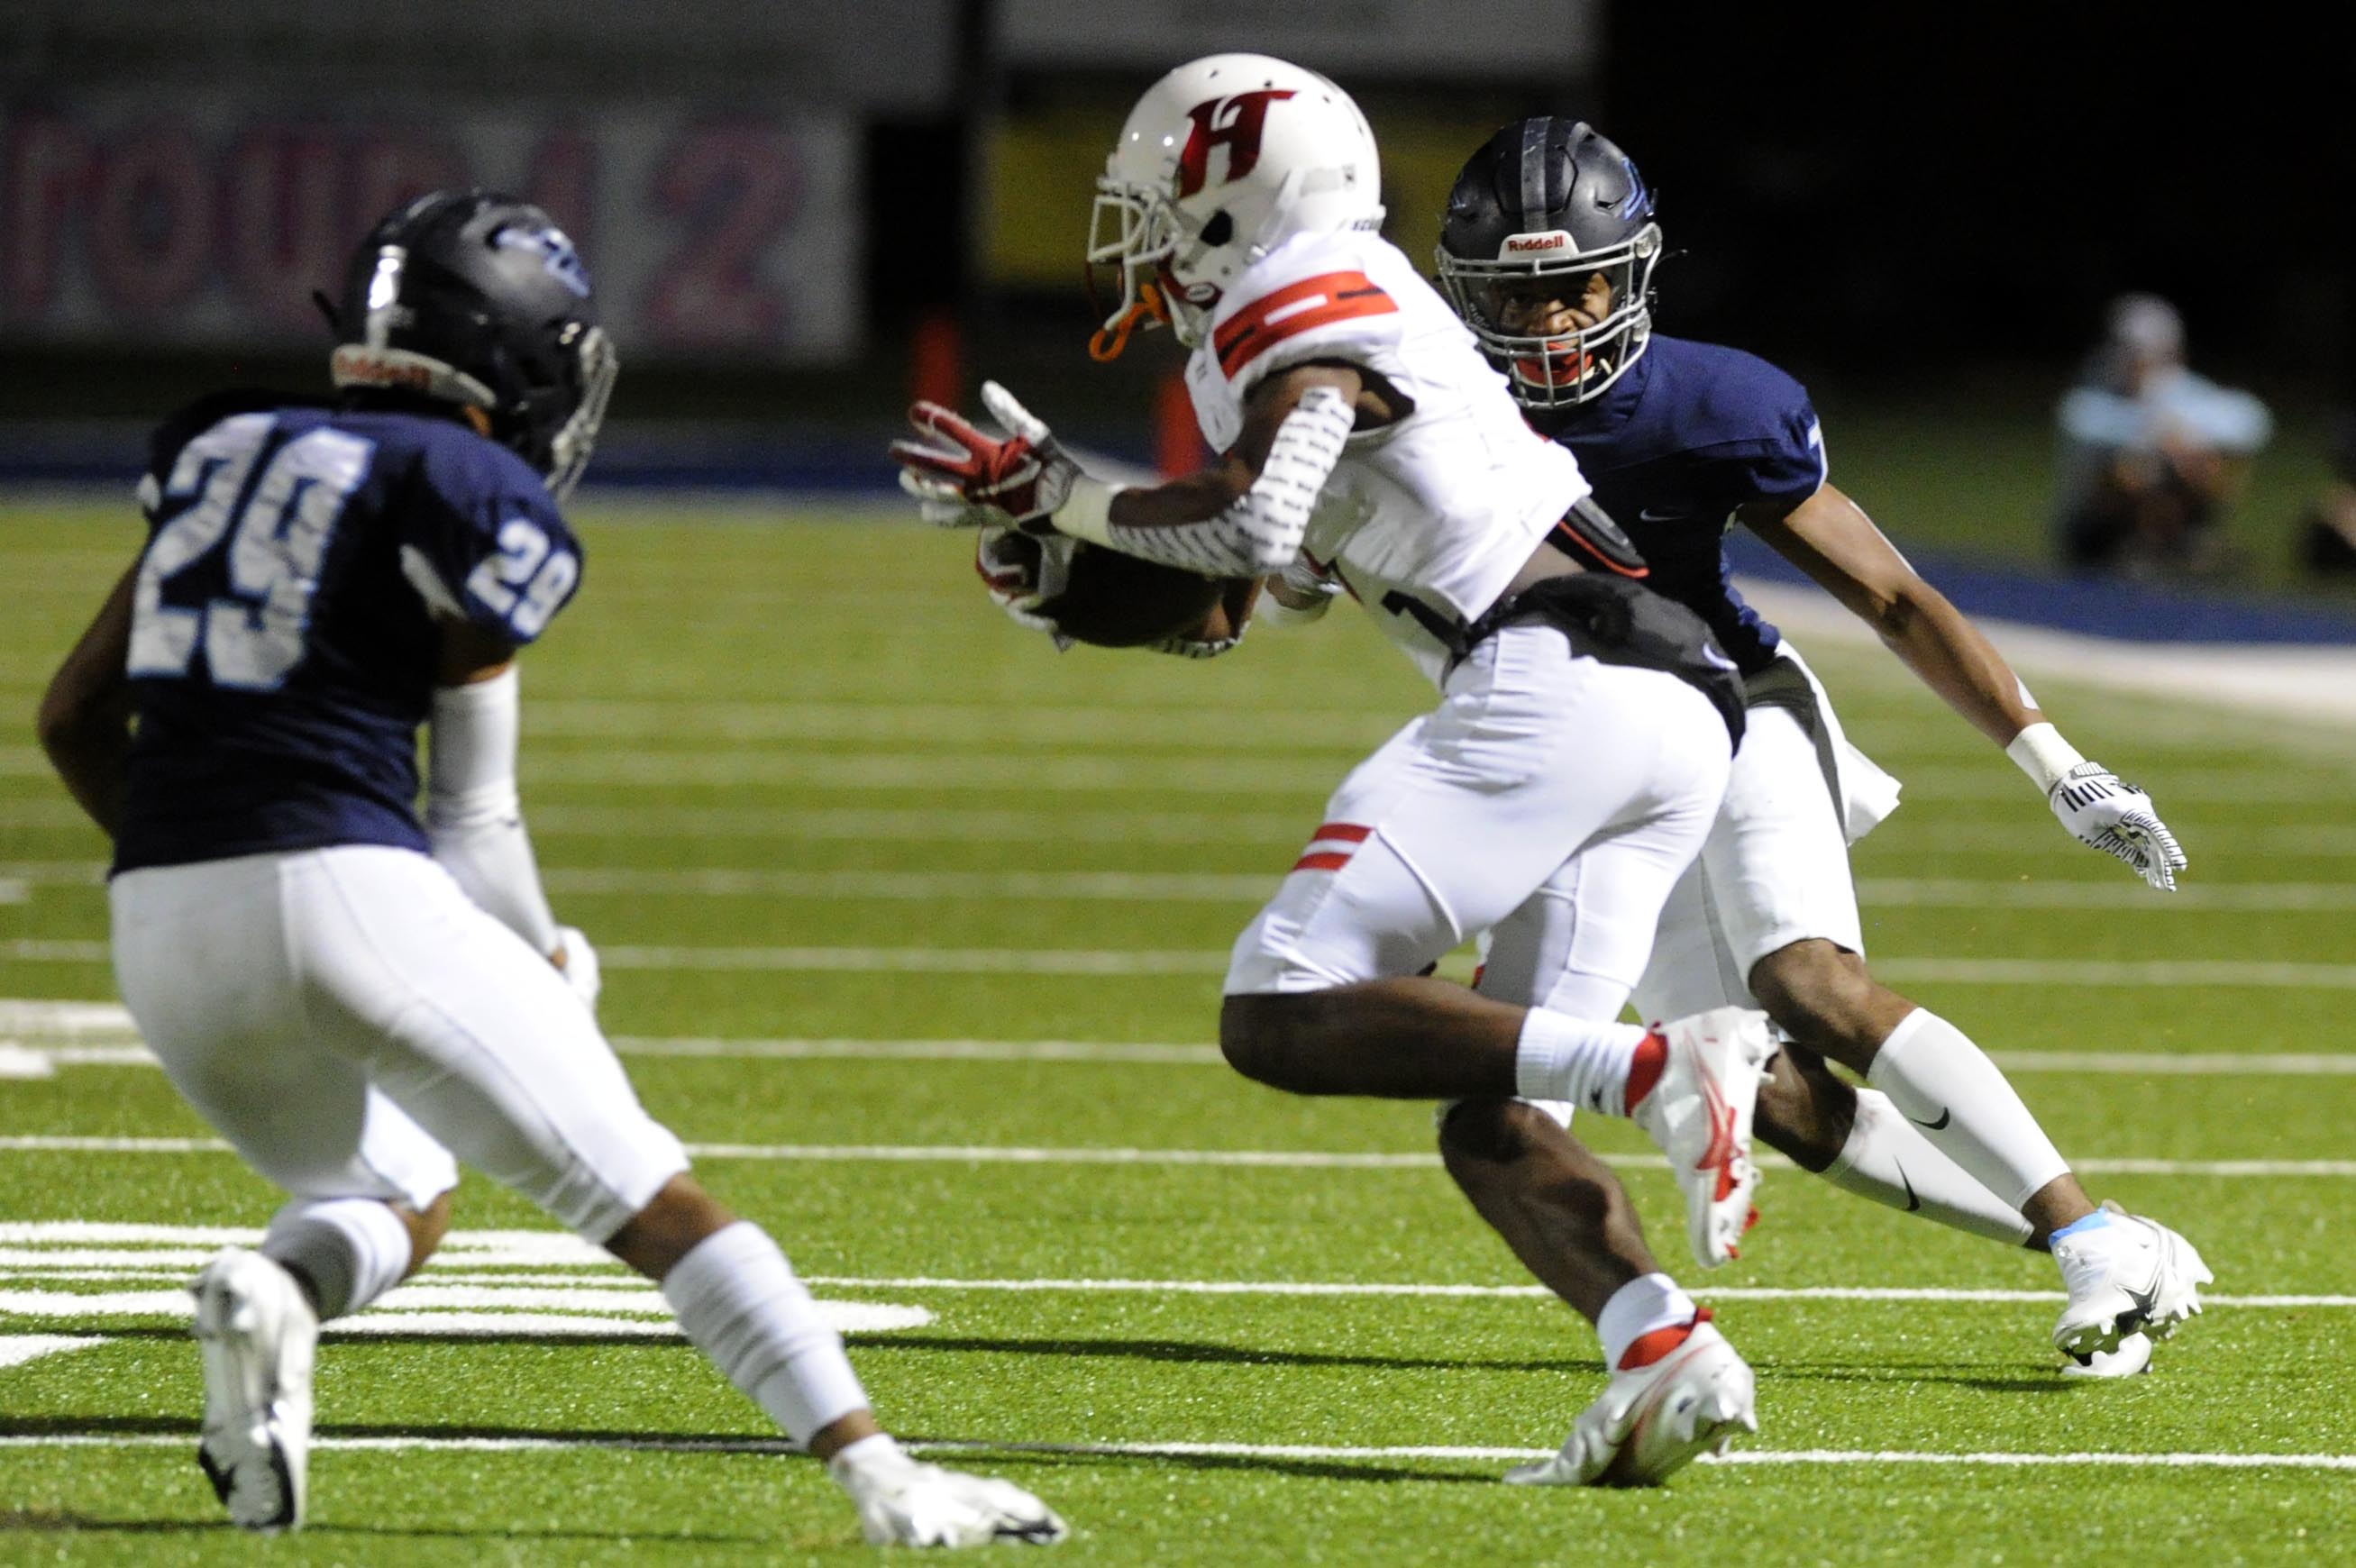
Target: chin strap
(1107, 343)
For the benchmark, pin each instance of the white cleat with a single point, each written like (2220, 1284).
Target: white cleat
(258, 1336)
(2132, 1357)
(2131, 1275)
(1699, 1113)
(905, 1502)
(1652, 1421)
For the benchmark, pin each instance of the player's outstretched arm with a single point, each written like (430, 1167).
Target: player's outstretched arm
(474, 813)
(1829, 537)
(1243, 515)
(85, 716)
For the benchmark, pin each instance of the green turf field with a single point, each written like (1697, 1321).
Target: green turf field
(916, 929)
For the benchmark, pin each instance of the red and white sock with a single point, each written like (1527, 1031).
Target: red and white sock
(1645, 1319)
(1590, 1064)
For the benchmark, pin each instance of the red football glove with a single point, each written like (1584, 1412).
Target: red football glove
(962, 478)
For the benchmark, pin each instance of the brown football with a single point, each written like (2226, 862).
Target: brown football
(1116, 601)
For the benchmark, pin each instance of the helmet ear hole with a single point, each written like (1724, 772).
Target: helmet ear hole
(1220, 229)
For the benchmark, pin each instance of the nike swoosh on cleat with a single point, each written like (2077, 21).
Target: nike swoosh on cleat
(1947, 1115)
(1913, 1204)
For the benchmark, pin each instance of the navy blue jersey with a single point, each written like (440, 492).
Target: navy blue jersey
(283, 643)
(1692, 431)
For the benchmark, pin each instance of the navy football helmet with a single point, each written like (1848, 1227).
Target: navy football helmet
(1550, 200)
(479, 300)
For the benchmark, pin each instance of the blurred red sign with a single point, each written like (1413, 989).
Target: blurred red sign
(122, 223)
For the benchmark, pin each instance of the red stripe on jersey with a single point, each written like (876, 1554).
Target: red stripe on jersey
(1312, 303)
(1347, 832)
(1323, 860)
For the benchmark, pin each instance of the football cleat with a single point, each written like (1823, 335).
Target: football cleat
(2131, 1275)
(905, 1502)
(2132, 1357)
(1654, 1420)
(258, 1336)
(1699, 1113)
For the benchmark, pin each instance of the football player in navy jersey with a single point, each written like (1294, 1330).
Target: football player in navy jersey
(1546, 251)
(354, 999)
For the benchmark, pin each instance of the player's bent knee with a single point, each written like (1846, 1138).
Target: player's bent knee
(1488, 1131)
(1823, 994)
(1261, 1035)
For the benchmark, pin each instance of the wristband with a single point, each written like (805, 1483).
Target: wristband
(1087, 512)
(2042, 753)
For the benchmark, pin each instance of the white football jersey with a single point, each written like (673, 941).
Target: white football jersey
(1444, 506)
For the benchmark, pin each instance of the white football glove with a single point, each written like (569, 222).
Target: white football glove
(2101, 810)
(1022, 572)
(581, 969)
(1298, 595)
(904, 1502)
(962, 478)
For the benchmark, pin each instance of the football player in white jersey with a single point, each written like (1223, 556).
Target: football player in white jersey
(1564, 780)
(353, 996)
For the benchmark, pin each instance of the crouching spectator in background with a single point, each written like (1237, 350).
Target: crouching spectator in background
(2150, 451)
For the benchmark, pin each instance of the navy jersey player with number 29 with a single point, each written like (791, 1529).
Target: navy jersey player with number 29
(354, 997)
(1546, 251)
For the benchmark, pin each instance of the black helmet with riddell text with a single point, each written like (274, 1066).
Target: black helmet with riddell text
(1549, 200)
(479, 300)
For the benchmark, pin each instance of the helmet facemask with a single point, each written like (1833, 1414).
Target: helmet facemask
(1133, 232)
(569, 448)
(1554, 370)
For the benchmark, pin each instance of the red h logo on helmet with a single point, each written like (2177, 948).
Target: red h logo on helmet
(1233, 123)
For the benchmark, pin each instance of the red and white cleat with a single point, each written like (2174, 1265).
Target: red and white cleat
(1654, 1420)
(1699, 1113)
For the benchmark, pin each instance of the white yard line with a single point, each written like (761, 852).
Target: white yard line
(1288, 732)
(1250, 887)
(1280, 1452)
(2111, 894)
(944, 771)
(52, 1034)
(2059, 973)
(17, 1350)
(2313, 685)
(2167, 974)
(1277, 1159)
(996, 886)
(2030, 835)
(1268, 771)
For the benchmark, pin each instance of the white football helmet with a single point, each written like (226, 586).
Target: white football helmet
(1222, 161)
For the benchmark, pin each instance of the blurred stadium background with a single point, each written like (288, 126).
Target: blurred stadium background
(796, 211)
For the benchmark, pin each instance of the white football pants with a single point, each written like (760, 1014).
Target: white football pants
(1550, 798)
(349, 1021)
(1775, 869)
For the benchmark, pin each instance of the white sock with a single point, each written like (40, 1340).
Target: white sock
(1887, 1159)
(1947, 1087)
(1564, 1058)
(1647, 1304)
(737, 1299)
(350, 1250)
(877, 1449)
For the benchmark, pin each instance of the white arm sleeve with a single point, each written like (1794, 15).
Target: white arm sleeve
(473, 814)
(1260, 531)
